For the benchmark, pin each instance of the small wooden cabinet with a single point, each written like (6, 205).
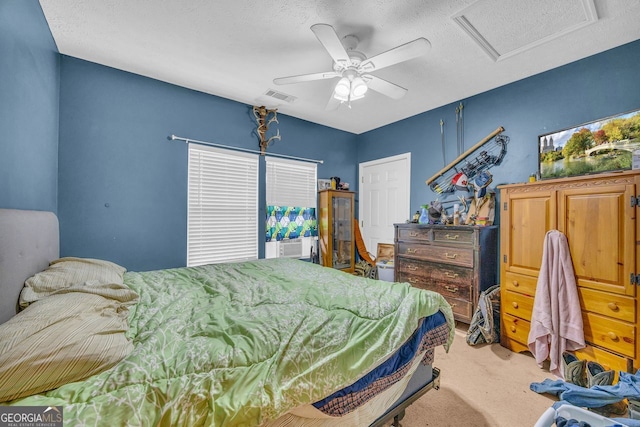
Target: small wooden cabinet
(458, 262)
(335, 229)
(597, 214)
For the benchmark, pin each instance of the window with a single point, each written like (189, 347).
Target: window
(291, 195)
(222, 217)
(291, 183)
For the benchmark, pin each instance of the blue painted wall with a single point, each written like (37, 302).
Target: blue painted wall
(29, 89)
(589, 89)
(90, 142)
(123, 184)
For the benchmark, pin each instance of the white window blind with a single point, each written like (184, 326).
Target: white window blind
(223, 206)
(291, 183)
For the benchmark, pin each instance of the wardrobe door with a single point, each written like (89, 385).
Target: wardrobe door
(599, 223)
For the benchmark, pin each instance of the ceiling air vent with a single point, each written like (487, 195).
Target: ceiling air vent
(280, 96)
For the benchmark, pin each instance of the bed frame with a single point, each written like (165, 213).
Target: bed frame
(29, 241)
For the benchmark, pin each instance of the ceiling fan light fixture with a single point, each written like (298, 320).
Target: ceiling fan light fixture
(343, 88)
(358, 88)
(341, 98)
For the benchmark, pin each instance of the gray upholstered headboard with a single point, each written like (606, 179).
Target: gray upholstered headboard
(29, 240)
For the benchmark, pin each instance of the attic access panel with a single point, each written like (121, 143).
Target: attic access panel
(503, 28)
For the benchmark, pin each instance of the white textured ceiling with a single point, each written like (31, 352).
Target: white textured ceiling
(235, 48)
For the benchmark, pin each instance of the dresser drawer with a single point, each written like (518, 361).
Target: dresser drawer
(413, 267)
(462, 310)
(446, 288)
(449, 277)
(610, 334)
(465, 237)
(516, 329)
(414, 233)
(612, 305)
(521, 283)
(516, 304)
(446, 254)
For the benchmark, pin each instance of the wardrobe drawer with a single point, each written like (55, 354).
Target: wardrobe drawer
(516, 304)
(446, 254)
(612, 305)
(521, 283)
(465, 237)
(516, 329)
(414, 233)
(605, 358)
(610, 334)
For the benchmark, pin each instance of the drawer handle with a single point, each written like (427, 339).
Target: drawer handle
(453, 305)
(451, 288)
(613, 306)
(451, 275)
(453, 256)
(513, 328)
(515, 304)
(411, 251)
(450, 237)
(412, 267)
(412, 280)
(613, 336)
(515, 283)
(413, 234)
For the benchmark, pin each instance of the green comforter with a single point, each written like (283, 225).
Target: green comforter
(239, 344)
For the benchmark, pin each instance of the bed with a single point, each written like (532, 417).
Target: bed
(261, 343)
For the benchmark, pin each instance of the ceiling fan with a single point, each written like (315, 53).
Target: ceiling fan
(354, 68)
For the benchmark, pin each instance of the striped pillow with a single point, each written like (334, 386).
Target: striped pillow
(61, 339)
(66, 272)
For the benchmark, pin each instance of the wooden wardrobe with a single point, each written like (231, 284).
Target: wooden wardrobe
(597, 213)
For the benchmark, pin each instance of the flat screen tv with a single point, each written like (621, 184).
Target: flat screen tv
(603, 145)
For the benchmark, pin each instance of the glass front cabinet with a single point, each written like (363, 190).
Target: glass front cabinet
(335, 229)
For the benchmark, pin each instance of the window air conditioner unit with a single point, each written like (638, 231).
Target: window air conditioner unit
(290, 248)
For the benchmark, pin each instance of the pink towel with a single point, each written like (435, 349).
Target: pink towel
(556, 321)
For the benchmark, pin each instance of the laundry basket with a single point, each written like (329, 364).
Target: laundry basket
(548, 417)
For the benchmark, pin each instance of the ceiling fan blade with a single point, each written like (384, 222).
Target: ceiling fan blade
(384, 87)
(305, 78)
(331, 42)
(398, 54)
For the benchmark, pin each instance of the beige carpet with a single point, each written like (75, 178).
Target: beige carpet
(485, 385)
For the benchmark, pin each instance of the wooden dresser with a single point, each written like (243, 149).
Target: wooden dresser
(456, 261)
(597, 214)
